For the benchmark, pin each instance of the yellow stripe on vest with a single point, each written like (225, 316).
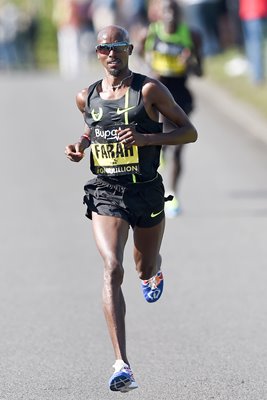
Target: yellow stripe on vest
(126, 120)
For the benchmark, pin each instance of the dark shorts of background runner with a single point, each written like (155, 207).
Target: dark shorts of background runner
(140, 204)
(181, 94)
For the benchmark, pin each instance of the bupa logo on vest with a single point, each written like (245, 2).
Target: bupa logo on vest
(107, 134)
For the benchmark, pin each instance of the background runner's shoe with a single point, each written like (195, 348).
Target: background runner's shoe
(172, 208)
(122, 380)
(153, 287)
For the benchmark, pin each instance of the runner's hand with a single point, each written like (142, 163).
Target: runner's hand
(130, 137)
(74, 152)
(185, 56)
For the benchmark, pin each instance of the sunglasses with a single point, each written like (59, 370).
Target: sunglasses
(105, 48)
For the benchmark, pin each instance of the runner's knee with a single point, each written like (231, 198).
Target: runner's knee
(113, 273)
(146, 270)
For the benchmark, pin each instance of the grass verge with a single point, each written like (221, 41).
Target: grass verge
(239, 85)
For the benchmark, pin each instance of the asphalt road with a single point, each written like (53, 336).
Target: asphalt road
(206, 338)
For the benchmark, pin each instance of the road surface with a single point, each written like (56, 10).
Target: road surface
(205, 339)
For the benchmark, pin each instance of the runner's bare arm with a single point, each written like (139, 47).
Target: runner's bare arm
(195, 65)
(75, 152)
(81, 100)
(158, 99)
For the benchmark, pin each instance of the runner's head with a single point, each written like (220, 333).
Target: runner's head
(113, 49)
(171, 14)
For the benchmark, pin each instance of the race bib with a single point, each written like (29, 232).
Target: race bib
(167, 64)
(109, 156)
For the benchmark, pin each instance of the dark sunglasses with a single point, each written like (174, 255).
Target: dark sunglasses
(105, 48)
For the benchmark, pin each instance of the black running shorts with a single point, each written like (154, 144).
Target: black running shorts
(180, 92)
(140, 204)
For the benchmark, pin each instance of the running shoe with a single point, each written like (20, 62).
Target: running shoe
(122, 380)
(153, 287)
(172, 208)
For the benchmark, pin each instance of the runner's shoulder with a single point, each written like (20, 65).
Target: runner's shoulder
(81, 99)
(153, 87)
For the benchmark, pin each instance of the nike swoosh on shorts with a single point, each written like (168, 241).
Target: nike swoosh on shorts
(153, 215)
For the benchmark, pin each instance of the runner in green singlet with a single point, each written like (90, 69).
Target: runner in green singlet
(173, 51)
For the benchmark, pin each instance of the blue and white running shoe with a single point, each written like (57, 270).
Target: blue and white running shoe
(122, 380)
(153, 287)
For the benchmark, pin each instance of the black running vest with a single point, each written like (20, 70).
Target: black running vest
(109, 158)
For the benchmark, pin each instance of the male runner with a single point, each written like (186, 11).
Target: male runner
(173, 51)
(121, 113)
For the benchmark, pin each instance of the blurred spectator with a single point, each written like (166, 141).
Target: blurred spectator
(73, 19)
(132, 14)
(27, 32)
(9, 16)
(104, 13)
(232, 7)
(253, 14)
(87, 35)
(203, 15)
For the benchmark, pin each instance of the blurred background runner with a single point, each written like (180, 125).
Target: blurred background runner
(173, 51)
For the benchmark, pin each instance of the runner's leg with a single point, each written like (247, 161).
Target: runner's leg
(175, 162)
(147, 242)
(176, 168)
(111, 235)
